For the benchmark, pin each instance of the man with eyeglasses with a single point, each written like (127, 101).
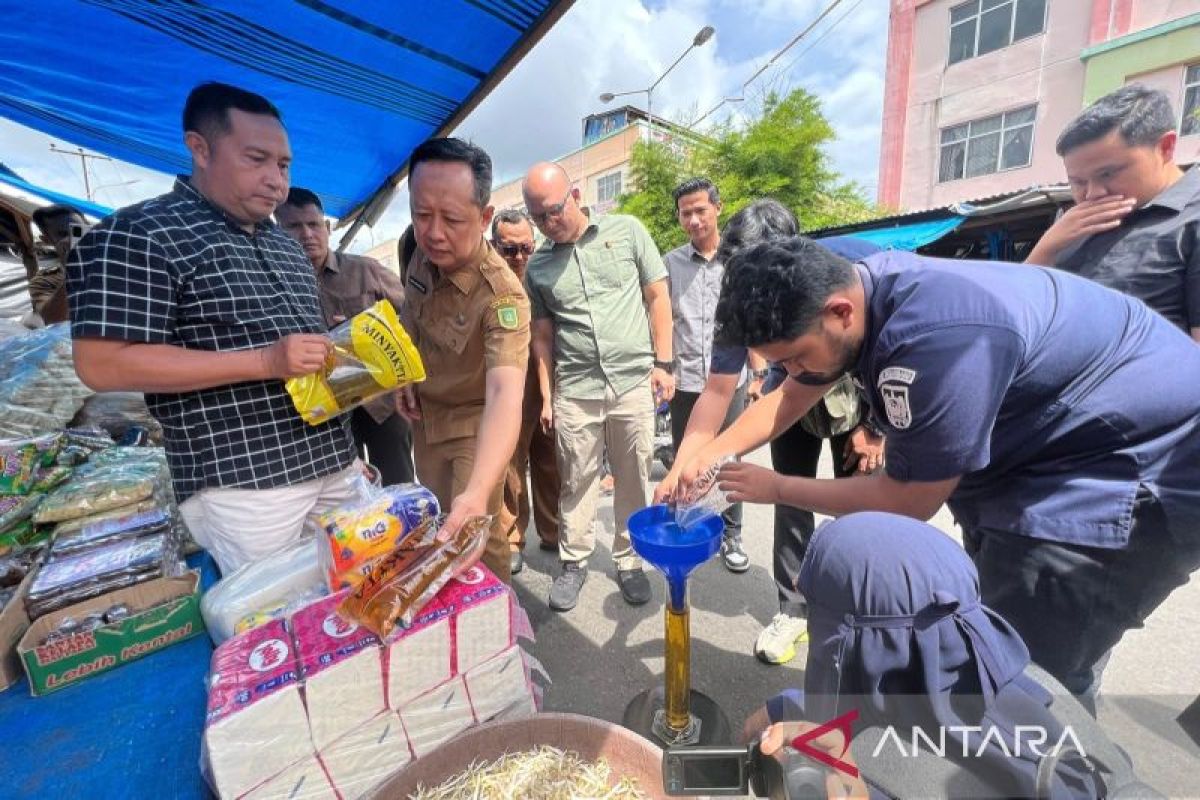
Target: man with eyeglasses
(602, 318)
(512, 236)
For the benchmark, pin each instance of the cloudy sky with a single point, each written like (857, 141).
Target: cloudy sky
(612, 46)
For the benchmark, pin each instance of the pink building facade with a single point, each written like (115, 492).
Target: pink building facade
(978, 91)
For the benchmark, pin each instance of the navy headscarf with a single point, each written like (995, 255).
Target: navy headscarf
(897, 630)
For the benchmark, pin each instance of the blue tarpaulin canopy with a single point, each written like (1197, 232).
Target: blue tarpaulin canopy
(11, 180)
(908, 237)
(360, 83)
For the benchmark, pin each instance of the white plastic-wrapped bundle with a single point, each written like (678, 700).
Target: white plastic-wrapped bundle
(39, 390)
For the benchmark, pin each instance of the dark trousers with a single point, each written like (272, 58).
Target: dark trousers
(797, 452)
(388, 445)
(1071, 604)
(681, 411)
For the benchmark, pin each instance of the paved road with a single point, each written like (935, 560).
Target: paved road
(601, 654)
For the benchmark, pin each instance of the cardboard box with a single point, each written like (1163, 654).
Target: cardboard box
(13, 624)
(167, 610)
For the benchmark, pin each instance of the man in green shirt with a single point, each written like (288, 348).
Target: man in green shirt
(602, 345)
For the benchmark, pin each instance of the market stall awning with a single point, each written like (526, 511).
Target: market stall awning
(13, 185)
(360, 83)
(908, 237)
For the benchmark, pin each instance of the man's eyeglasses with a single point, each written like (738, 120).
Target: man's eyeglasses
(511, 250)
(555, 211)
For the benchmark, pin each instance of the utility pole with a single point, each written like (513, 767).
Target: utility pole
(83, 157)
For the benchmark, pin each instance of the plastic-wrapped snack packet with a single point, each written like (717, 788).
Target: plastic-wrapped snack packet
(65, 580)
(90, 439)
(23, 534)
(39, 390)
(372, 354)
(47, 478)
(22, 459)
(101, 486)
(706, 498)
(15, 509)
(69, 526)
(364, 530)
(130, 526)
(409, 577)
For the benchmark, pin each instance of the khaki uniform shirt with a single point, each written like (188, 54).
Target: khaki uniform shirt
(592, 291)
(45, 282)
(349, 284)
(463, 324)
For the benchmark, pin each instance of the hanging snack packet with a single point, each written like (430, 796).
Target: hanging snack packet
(402, 582)
(372, 354)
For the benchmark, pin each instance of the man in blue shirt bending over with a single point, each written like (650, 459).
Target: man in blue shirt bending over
(1058, 419)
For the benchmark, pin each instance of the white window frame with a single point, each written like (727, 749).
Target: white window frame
(605, 181)
(1187, 85)
(1031, 124)
(1012, 25)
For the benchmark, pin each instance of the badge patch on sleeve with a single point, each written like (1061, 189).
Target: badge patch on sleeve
(895, 403)
(506, 315)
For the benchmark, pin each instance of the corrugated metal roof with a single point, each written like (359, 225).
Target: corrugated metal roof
(1056, 193)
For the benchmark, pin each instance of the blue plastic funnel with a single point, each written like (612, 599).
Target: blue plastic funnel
(673, 550)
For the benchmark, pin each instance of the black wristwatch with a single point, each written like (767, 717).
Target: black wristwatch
(760, 374)
(666, 366)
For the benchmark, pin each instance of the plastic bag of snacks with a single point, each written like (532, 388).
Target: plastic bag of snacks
(112, 478)
(39, 390)
(403, 581)
(372, 354)
(96, 534)
(360, 532)
(23, 460)
(17, 509)
(71, 578)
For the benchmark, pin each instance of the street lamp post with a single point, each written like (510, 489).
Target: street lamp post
(702, 36)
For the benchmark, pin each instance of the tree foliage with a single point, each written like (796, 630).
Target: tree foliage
(779, 154)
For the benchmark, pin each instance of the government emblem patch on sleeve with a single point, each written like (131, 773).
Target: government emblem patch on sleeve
(506, 315)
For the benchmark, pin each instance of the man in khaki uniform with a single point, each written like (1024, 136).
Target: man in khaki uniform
(469, 318)
(512, 236)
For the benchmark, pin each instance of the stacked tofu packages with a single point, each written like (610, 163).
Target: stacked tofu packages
(363, 646)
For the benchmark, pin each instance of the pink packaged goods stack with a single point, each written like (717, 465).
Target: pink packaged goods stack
(315, 705)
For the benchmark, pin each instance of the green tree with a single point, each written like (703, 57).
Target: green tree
(779, 154)
(654, 171)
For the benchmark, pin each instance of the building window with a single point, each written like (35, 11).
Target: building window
(608, 188)
(984, 146)
(1191, 101)
(982, 26)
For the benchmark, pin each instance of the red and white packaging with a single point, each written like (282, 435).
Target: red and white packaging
(419, 657)
(500, 687)
(304, 780)
(480, 605)
(256, 724)
(342, 667)
(362, 759)
(437, 716)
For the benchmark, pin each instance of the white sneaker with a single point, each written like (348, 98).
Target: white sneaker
(777, 642)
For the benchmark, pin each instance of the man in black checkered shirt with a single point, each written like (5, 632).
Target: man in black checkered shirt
(198, 300)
